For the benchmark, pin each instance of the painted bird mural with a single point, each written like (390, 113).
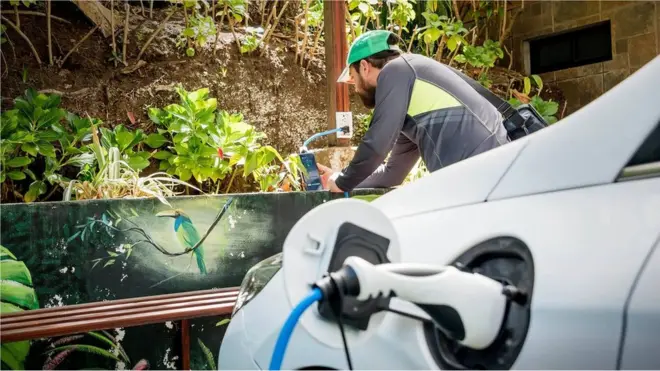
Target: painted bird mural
(187, 234)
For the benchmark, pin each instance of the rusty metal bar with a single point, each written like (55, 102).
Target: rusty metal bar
(112, 317)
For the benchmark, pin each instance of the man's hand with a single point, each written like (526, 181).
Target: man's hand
(327, 179)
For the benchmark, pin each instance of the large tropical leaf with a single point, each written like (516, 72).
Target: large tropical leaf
(16, 295)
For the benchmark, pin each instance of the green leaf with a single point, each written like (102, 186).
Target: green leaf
(16, 175)
(6, 254)
(29, 148)
(527, 86)
(109, 262)
(155, 140)
(223, 322)
(431, 35)
(190, 52)
(18, 294)
(37, 188)
(14, 270)
(46, 149)
(184, 174)
(14, 354)
(138, 162)
(18, 162)
(162, 155)
(452, 44)
(538, 81)
(124, 139)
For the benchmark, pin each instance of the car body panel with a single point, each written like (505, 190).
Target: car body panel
(588, 245)
(640, 350)
(592, 145)
(463, 183)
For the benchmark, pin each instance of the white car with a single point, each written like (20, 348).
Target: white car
(569, 214)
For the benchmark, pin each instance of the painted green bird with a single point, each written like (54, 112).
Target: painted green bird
(187, 234)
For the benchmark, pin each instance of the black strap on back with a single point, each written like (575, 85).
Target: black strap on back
(508, 112)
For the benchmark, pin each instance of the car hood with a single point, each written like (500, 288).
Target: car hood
(463, 183)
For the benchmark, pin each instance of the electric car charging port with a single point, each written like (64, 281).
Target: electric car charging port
(509, 261)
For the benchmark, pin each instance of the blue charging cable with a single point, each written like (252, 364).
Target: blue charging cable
(289, 325)
(317, 135)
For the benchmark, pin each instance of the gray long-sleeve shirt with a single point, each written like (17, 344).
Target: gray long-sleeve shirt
(422, 109)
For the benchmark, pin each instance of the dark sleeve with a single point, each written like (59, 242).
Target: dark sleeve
(392, 97)
(402, 159)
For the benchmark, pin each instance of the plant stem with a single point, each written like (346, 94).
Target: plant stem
(31, 12)
(160, 28)
(268, 35)
(18, 19)
(112, 26)
(21, 34)
(50, 42)
(142, 7)
(151, 9)
(350, 21)
(233, 32)
(231, 180)
(185, 18)
(304, 43)
(125, 41)
(78, 44)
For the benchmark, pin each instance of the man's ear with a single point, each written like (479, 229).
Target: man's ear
(365, 66)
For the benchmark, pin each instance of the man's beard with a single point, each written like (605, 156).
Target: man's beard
(368, 97)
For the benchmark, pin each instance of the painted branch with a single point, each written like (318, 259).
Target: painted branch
(153, 35)
(21, 34)
(50, 40)
(151, 9)
(125, 40)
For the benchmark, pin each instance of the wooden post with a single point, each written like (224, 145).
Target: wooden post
(185, 345)
(336, 49)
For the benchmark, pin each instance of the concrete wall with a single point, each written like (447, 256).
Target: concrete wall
(635, 41)
(88, 251)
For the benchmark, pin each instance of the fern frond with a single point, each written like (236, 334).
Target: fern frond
(207, 353)
(65, 340)
(51, 364)
(86, 348)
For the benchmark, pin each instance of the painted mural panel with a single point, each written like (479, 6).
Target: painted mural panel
(56, 254)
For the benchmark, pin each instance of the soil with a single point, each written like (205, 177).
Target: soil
(278, 96)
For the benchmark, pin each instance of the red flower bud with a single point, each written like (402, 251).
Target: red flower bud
(220, 153)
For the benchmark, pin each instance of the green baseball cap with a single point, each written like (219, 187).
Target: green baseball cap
(367, 44)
